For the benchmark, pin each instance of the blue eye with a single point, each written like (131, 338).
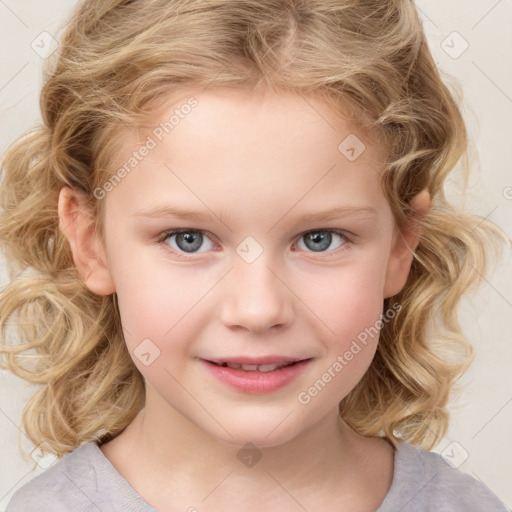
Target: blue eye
(320, 240)
(188, 241)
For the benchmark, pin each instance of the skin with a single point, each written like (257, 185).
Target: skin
(258, 161)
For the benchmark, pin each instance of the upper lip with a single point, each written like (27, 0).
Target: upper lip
(257, 360)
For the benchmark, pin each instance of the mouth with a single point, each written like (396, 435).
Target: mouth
(263, 367)
(257, 376)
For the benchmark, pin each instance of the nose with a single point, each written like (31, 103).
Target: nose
(256, 298)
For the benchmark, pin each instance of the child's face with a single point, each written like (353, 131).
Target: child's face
(253, 286)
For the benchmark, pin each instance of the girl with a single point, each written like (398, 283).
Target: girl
(243, 272)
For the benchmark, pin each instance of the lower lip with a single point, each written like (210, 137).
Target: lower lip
(254, 381)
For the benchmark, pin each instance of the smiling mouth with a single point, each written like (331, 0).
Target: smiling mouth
(256, 367)
(257, 375)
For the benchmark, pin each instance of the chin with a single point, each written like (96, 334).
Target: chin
(260, 433)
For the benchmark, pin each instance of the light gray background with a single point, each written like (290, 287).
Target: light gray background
(479, 441)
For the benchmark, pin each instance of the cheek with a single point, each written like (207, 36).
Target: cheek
(156, 301)
(348, 299)
(350, 303)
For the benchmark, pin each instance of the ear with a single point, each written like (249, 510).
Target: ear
(76, 222)
(406, 241)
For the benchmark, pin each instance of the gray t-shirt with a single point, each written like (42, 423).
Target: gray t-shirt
(85, 481)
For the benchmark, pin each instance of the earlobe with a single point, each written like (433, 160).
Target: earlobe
(405, 243)
(76, 222)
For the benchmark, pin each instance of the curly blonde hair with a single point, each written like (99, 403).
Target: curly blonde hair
(117, 61)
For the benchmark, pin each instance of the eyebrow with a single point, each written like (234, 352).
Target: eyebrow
(364, 212)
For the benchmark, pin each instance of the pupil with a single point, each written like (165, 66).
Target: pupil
(319, 237)
(189, 238)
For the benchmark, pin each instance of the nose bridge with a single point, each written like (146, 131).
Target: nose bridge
(256, 296)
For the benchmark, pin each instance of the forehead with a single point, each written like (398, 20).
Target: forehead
(242, 147)
(199, 117)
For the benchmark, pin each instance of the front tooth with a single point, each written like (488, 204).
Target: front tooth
(249, 367)
(267, 367)
(255, 367)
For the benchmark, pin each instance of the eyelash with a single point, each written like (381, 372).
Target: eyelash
(167, 234)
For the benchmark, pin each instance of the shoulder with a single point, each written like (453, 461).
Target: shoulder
(83, 480)
(424, 481)
(61, 487)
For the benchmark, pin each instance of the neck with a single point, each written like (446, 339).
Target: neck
(168, 459)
